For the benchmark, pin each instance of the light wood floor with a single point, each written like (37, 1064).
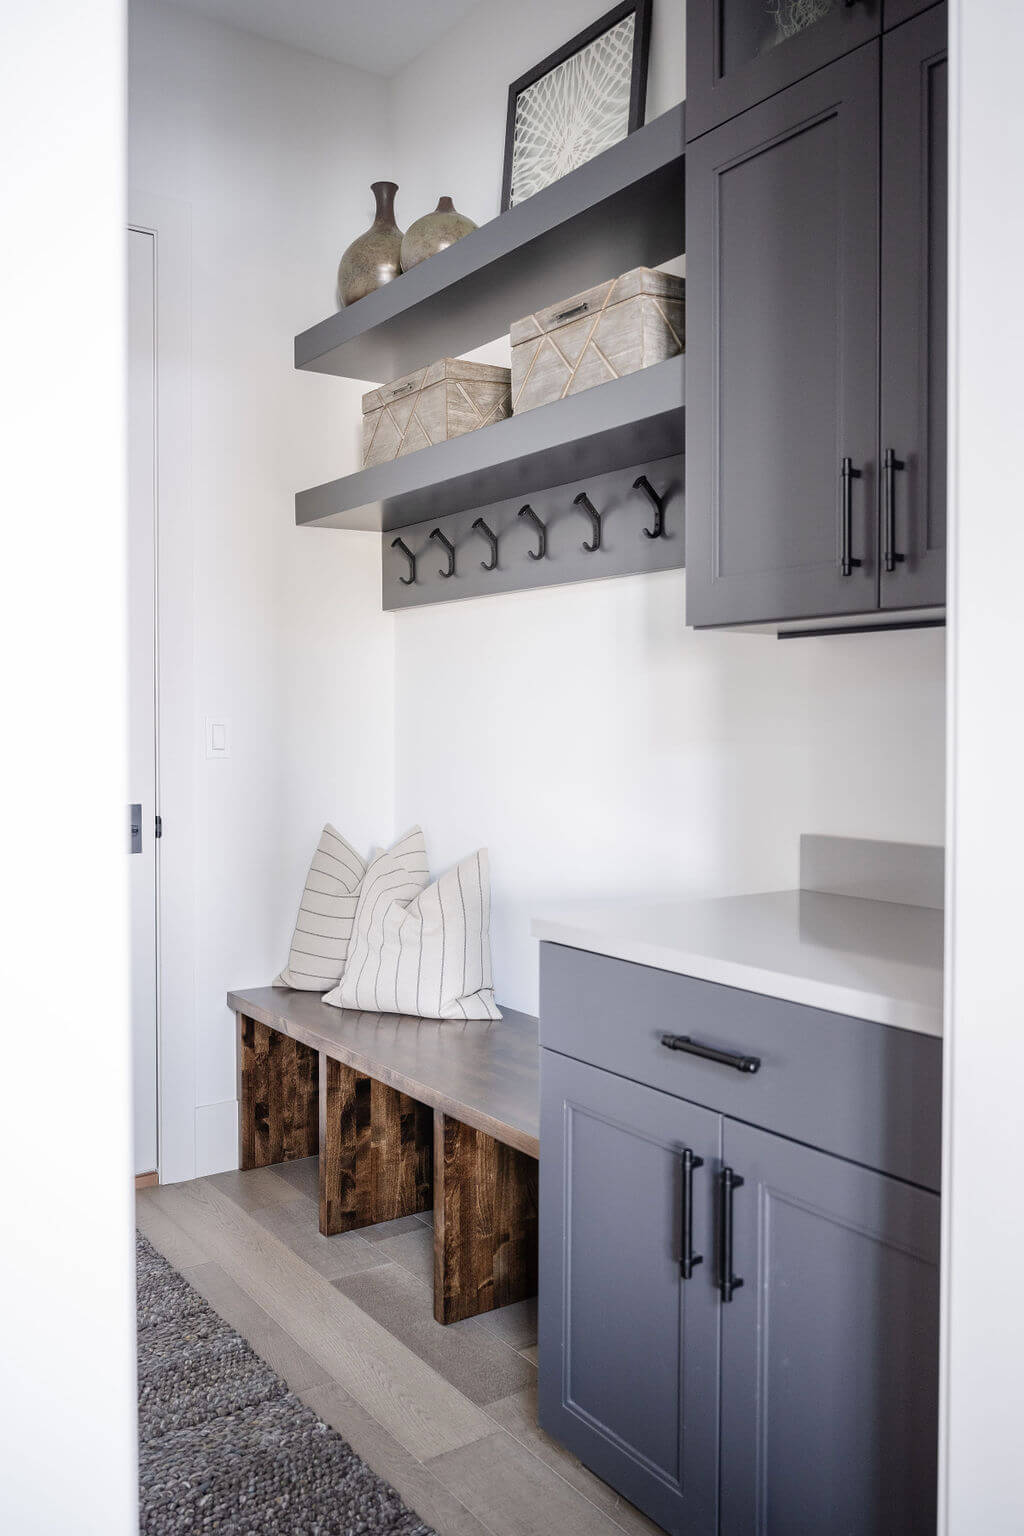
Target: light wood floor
(446, 1415)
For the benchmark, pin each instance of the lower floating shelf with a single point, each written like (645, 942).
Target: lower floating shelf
(625, 422)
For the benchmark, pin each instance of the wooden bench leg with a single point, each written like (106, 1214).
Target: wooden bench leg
(277, 1096)
(375, 1151)
(485, 1222)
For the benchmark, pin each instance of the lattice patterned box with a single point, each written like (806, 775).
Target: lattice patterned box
(431, 405)
(613, 329)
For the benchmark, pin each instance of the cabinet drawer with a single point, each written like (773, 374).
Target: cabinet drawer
(864, 1091)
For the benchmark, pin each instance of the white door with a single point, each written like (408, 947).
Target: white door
(142, 710)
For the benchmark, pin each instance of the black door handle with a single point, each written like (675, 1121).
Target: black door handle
(727, 1281)
(688, 1259)
(891, 465)
(710, 1053)
(847, 476)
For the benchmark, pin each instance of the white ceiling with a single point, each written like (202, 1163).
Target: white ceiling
(378, 35)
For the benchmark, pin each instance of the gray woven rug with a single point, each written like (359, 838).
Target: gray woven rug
(225, 1446)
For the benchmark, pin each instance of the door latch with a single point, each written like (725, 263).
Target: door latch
(135, 829)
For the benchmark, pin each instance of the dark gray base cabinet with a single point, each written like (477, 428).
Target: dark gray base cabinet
(801, 1398)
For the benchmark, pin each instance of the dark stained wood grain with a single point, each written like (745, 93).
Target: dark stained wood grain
(484, 1074)
(485, 1222)
(278, 1095)
(375, 1151)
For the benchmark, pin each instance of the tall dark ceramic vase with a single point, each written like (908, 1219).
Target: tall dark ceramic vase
(375, 257)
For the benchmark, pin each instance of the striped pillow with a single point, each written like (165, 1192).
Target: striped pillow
(425, 952)
(323, 928)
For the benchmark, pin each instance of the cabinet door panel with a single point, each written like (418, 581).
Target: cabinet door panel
(740, 52)
(628, 1349)
(896, 11)
(782, 366)
(914, 285)
(830, 1348)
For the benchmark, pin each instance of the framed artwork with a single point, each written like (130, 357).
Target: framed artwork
(578, 101)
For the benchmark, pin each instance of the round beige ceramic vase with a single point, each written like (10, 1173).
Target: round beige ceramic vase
(434, 232)
(374, 257)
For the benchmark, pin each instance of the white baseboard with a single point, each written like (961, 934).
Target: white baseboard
(216, 1137)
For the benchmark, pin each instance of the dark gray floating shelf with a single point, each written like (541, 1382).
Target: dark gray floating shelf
(627, 421)
(622, 209)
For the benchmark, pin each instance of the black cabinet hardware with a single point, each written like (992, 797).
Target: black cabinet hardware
(688, 1259)
(584, 501)
(641, 483)
(435, 533)
(542, 533)
(709, 1053)
(407, 581)
(492, 539)
(727, 1281)
(846, 478)
(891, 465)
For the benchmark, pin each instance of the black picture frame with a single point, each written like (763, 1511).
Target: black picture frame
(638, 80)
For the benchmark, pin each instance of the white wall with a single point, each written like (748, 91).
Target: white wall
(983, 1375)
(67, 1411)
(271, 152)
(591, 740)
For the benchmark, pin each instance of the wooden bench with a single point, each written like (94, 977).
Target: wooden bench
(404, 1114)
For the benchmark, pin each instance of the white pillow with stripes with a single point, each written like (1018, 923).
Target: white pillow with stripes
(327, 911)
(424, 952)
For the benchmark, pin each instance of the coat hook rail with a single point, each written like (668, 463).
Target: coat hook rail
(442, 539)
(492, 539)
(584, 501)
(641, 483)
(410, 580)
(542, 532)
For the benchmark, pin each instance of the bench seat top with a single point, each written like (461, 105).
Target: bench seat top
(484, 1074)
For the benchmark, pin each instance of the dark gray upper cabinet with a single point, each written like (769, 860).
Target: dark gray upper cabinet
(897, 11)
(829, 1347)
(628, 1346)
(740, 52)
(914, 271)
(782, 341)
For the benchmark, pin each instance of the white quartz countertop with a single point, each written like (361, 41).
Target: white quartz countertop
(879, 960)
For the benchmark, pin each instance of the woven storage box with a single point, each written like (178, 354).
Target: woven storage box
(440, 401)
(613, 329)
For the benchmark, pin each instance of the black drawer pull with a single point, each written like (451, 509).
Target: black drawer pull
(688, 1259)
(846, 478)
(892, 464)
(727, 1281)
(709, 1053)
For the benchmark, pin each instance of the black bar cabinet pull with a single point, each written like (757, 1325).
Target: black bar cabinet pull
(688, 1259)
(709, 1053)
(892, 464)
(728, 1282)
(847, 476)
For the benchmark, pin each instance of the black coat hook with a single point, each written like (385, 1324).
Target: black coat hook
(584, 501)
(641, 483)
(407, 581)
(492, 539)
(435, 533)
(542, 533)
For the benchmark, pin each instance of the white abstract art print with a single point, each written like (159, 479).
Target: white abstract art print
(572, 113)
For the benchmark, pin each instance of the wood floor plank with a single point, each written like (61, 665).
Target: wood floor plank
(515, 1493)
(167, 1237)
(297, 1224)
(419, 1488)
(422, 1411)
(257, 1188)
(267, 1337)
(413, 1250)
(518, 1415)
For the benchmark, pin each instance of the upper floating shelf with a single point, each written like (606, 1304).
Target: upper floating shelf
(626, 421)
(622, 209)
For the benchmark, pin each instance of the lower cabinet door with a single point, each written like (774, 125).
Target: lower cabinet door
(628, 1346)
(830, 1347)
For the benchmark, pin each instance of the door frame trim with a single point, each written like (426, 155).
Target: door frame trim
(169, 222)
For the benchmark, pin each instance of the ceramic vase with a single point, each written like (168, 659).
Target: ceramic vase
(434, 232)
(374, 257)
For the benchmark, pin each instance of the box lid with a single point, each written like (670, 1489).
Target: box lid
(641, 280)
(435, 373)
